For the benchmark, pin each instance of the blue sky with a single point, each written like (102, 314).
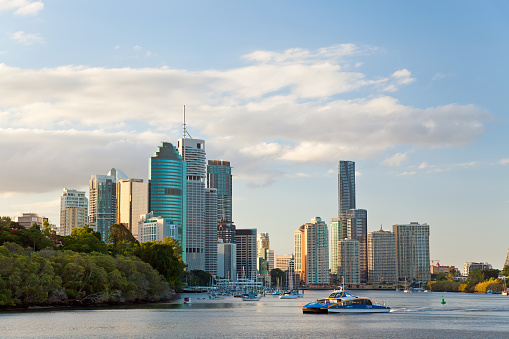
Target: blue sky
(415, 93)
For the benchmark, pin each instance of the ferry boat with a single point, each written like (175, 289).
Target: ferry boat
(341, 301)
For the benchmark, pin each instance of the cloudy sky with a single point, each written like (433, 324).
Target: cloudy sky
(415, 94)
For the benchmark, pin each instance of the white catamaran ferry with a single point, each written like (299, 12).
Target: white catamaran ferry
(341, 301)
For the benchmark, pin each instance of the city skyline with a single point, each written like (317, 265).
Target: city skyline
(413, 93)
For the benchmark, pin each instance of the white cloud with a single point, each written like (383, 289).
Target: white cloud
(468, 164)
(117, 47)
(407, 173)
(424, 165)
(395, 160)
(25, 38)
(283, 109)
(137, 48)
(21, 7)
(503, 161)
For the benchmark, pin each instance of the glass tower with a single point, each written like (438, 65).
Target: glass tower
(219, 176)
(168, 191)
(346, 187)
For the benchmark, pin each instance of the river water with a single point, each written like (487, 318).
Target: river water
(414, 315)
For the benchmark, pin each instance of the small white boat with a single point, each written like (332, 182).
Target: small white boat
(187, 300)
(288, 296)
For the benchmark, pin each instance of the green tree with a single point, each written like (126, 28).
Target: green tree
(505, 271)
(84, 239)
(35, 238)
(165, 256)
(491, 273)
(197, 278)
(121, 240)
(276, 275)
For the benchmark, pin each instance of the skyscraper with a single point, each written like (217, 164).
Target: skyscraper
(346, 187)
(336, 234)
(192, 152)
(167, 187)
(227, 260)
(412, 252)
(245, 240)
(312, 252)
(382, 257)
(357, 229)
(219, 176)
(211, 230)
(73, 210)
(103, 200)
(132, 202)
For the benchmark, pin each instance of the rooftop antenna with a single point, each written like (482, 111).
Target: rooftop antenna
(184, 132)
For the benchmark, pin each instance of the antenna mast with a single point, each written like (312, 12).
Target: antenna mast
(184, 136)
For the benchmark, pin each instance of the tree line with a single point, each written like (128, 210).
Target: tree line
(40, 267)
(478, 281)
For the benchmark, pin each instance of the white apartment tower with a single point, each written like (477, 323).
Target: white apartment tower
(412, 252)
(73, 210)
(192, 152)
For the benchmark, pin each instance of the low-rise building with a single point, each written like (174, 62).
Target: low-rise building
(152, 228)
(470, 266)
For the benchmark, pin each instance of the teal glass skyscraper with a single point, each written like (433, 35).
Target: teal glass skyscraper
(167, 186)
(219, 176)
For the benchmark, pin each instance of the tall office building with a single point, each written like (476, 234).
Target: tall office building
(192, 152)
(227, 260)
(382, 257)
(246, 253)
(312, 252)
(346, 187)
(219, 176)
(102, 205)
(73, 210)
(132, 202)
(269, 256)
(336, 234)
(167, 189)
(357, 229)
(349, 261)
(211, 230)
(412, 252)
(262, 245)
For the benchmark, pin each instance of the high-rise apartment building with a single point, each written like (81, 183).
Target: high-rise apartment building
(246, 253)
(349, 261)
(167, 189)
(102, 205)
(192, 152)
(382, 257)
(132, 202)
(412, 252)
(336, 234)
(312, 252)
(211, 230)
(73, 210)
(226, 232)
(219, 176)
(346, 186)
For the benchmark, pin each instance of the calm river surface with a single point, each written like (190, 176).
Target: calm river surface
(417, 315)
